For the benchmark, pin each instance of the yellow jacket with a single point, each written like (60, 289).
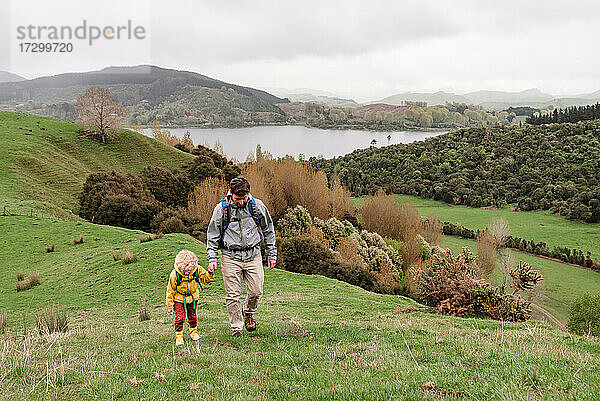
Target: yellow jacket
(188, 286)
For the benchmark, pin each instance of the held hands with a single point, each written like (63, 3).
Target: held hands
(272, 264)
(212, 266)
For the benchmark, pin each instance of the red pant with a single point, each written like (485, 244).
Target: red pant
(180, 315)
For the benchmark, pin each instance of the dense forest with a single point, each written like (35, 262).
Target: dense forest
(553, 167)
(568, 115)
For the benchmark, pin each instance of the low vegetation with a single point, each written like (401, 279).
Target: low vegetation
(53, 319)
(584, 316)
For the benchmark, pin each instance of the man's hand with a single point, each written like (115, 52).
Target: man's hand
(212, 266)
(170, 311)
(272, 264)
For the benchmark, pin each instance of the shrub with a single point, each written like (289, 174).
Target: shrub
(52, 320)
(584, 316)
(143, 313)
(172, 225)
(115, 255)
(294, 222)
(22, 285)
(525, 277)
(75, 241)
(204, 198)
(486, 253)
(381, 213)
(129, 257)
(433, 230)
(33, 279)
(170, 188)
(3, 322)
(49, 248)
(20, 276)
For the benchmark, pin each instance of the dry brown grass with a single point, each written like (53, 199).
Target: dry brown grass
(486, 253)
(20, 276)
(75, 241)
(33, 279)
(202, 201)
(143, 313)
(433, 230)
(381, 213)
(52, 320)
(49, 248)
(22, 285)
(129, 257)
(3, 322)
(287, 183)
(115, 255)
(150, 237)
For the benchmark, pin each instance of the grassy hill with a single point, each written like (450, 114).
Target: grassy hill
(318, 339)
(44, 163)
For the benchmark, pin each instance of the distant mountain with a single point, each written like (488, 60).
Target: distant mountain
(313, 96)
(6, 76)
(523, 97)
(152, 93)
(494, 100)
(432, 99)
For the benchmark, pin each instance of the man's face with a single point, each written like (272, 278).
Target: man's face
(240, 201)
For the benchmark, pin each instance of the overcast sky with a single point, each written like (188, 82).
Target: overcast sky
(361, 49)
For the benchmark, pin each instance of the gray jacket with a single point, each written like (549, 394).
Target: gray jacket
(241, 239)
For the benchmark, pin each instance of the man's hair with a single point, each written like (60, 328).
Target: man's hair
(239, 186)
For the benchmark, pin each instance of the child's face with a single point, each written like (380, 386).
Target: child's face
(187, 269)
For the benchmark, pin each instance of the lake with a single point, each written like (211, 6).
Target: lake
(294, 140)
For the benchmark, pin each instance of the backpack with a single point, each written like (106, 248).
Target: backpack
(227, 212)
(195, 277)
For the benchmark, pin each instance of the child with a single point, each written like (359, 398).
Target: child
(182, 292)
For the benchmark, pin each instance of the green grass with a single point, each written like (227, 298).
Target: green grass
(537, 226)
(45, 163)
(318, 338)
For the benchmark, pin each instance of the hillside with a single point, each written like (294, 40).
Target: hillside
(44, 161)
(550, 167)
(319, 338)
(6, 76)
(155, 88)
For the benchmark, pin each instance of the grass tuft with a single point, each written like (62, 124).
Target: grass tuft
(75, 241)
(150, 237)
(22, 285)
(49, 248)
(129, 257)
(52, 320)
(143, 313)
(3, 322)
(115, 255)
(33, 279)
(20, 276)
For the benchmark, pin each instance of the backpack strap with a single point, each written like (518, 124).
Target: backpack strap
(253, 212)
(226, 213)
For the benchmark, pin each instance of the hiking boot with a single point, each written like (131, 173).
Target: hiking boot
(236, 333)
(178, 338)
(194, 333)
(249, 322)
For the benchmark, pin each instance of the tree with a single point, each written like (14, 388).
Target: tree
(95, 107)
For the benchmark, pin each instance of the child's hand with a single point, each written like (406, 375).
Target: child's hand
(170, 311)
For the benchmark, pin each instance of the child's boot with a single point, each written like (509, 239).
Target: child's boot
(178, 338)
(194, 333)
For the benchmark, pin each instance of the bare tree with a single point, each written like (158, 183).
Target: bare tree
(96, 108)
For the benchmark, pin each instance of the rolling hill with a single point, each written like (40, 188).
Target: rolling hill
(44, 163)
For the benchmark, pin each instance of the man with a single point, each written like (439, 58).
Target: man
(236, 226)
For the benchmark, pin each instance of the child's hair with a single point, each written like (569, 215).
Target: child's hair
(185, 261)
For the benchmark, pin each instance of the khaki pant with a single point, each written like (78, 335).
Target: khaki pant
(254, 276)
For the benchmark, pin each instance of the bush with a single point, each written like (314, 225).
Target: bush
(172, 225)
(33, 279)
(129, 257)
(204, 198)
(75, 241)
(584, 316)
(294, 222)
(381, 213)
(52, 320)
(49, 248)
